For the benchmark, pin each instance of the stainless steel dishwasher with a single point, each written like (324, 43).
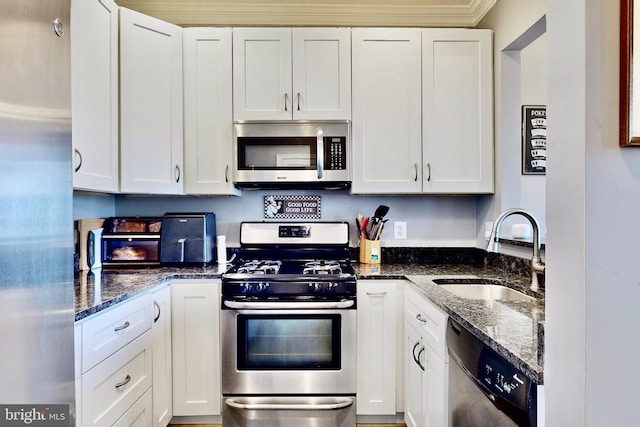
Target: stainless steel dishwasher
(484, 388)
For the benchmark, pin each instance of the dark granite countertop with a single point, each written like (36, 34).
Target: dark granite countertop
(510, 328)
(514, 329)
(96, 291)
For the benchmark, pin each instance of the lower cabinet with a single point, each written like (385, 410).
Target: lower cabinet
(195, 335)
(110, 388)
(139, 414)
(161, 336)
(378, 349)
(425, 363)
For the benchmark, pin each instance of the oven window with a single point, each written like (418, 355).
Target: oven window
(289, 342)
(276, 153)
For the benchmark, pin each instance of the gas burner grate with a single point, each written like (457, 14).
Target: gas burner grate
(260, 267)
(322, 267)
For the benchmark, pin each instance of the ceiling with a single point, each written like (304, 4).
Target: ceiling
(353, 13)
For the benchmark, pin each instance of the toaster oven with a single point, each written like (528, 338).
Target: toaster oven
(133, 242)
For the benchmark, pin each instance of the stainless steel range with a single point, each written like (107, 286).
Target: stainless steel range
(289, 327)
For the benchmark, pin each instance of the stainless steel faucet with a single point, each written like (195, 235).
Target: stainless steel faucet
(537, 266)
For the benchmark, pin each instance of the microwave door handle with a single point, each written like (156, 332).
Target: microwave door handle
(320, 152)
(181, 242)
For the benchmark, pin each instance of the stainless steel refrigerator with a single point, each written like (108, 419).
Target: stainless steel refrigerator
(36, 219)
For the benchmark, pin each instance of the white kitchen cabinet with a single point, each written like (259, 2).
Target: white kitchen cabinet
(195, 307)
(151, 123)
(139, 414)
(161, 336)
(422, 111)
(208, 112)
(457, 111)
(377, 347)
(110, 388)
(386, 129)
(426, 363)
(94, 94)
(285, 74)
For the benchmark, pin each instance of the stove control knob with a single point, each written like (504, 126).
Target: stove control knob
(331, 287)
(261, 287)
(246, 288)
(316, 287)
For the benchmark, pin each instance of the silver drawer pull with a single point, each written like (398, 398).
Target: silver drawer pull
(121, 327)
(420, 318)
(126, 381)
(376, 294)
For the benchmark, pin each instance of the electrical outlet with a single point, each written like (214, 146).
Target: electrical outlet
(399, 230)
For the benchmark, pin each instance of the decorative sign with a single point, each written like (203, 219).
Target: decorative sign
(292, 207)
(534, 139)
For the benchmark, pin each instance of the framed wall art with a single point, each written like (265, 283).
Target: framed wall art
(534, 139)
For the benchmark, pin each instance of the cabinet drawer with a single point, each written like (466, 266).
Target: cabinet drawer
(109, 331)
(428, 320)
(139, 415)
(112, 386)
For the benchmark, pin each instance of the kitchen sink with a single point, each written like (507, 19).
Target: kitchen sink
(482, 289)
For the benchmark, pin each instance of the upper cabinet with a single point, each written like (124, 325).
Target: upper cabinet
(386, 129)
(292, 74)
(151, 140)
(422, 111)
(208, 112)
(94, 91)
(457, 111)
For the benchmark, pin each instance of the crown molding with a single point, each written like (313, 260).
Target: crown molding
(354, 13)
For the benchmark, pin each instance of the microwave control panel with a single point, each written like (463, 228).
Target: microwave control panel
(335, 155)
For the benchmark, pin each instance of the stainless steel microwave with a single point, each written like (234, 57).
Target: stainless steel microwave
(292, 154)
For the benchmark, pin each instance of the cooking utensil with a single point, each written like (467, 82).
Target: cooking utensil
(359, 219)
(381, 211)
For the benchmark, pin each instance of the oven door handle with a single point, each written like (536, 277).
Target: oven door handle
(290, 406)
(267, 305)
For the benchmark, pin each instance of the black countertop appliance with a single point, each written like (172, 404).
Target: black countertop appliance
(188, 239)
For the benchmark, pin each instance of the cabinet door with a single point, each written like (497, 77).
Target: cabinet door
(195, 309)
(457, 111)
(262, 74)
(94, 93)
(414, 405)
(386, 101)
(161, 337)
(151, 104)
(321, 73)
(437, 389)
(377, 358)
(208, 112)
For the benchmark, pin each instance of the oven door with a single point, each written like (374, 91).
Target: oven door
(299, 411)
(288, 350)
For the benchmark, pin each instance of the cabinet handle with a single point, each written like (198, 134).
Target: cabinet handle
(79, 154)
(413, 352)
(415, 167)
(126, 381)
(418, 360)
(376, 294)
(226, 174)
(428, 171)
(420, 318)
(298, 101)
(177, 173)
(121, 327)
(286, 99)
(155, 319)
